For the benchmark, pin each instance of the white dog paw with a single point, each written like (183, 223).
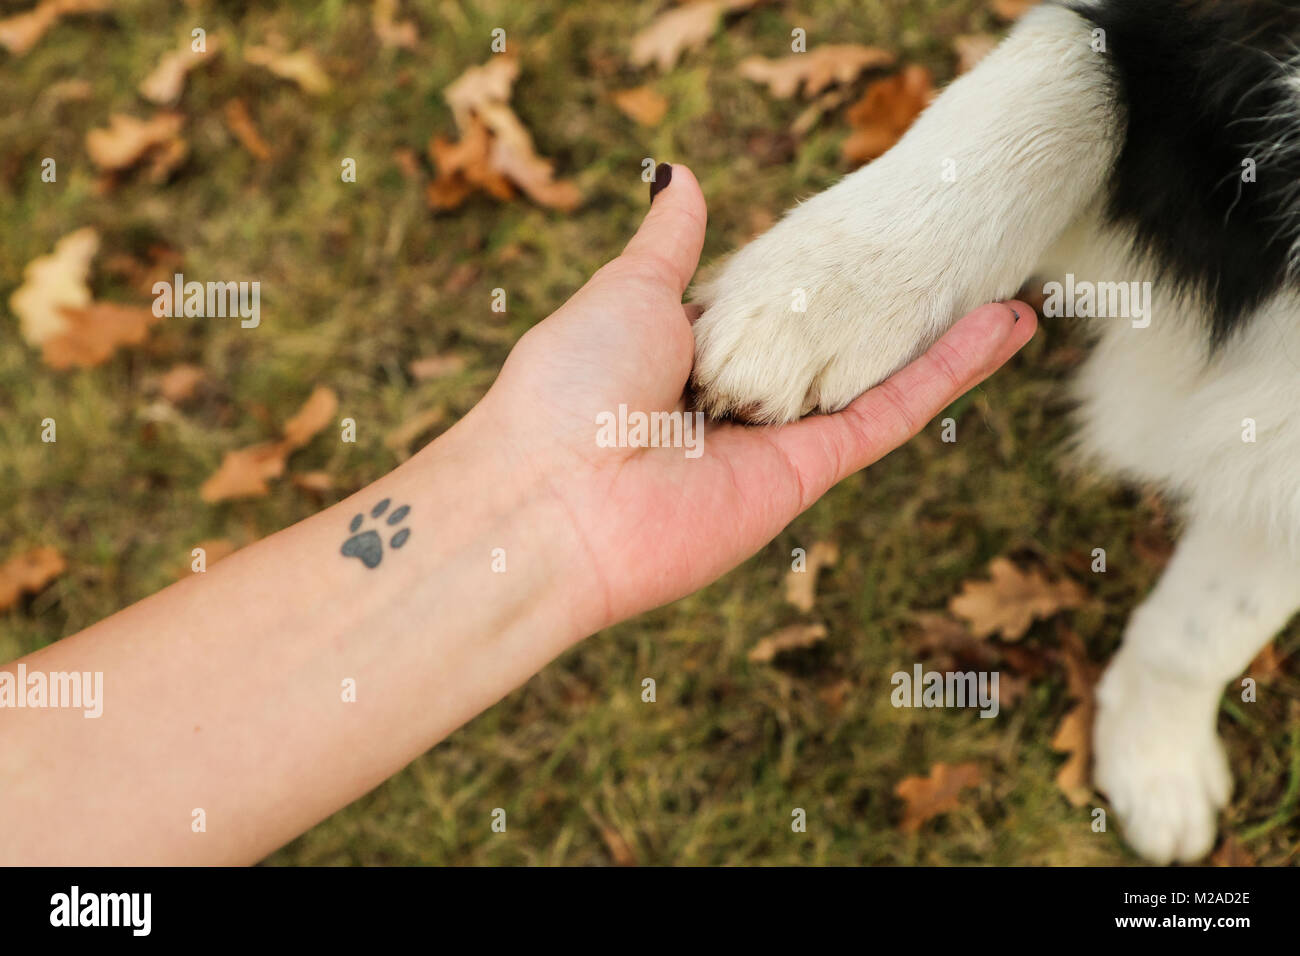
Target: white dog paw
(809, 316)
(1160, 762)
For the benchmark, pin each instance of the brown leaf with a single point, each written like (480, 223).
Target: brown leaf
(94, 332)
(128, 140)
(400, 438)
(642, 104)
(1012, 9)
(166, 82)
(885, 112)
(28, 572)
(972, 48)
(391, 31)
(791, 638)
(1267, 664)
(299, 66)
(242, 127)
(214, 549)
(495, 150)
(314, 416)
(1074, 735)
(801, 586)
(1010, 602)
(21, 32)
(53, 283)
(680, 29)
(180, 382)
(1232, 853)
(316, 482)
(948, 646)
(927, 797)
(244, 472)
(814, 71)
(435, 366)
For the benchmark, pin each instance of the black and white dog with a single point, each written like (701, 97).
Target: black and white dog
(1103, 143)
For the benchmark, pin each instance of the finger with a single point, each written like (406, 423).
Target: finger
(672, 233)
(827, 448)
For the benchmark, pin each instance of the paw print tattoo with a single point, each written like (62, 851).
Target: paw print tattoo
(367, 545)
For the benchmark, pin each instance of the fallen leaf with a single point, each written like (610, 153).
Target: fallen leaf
(214, 549)
(971, 48)
(242, 127)
(495, 150)
(128, 140)
(680, 29)
(389, 30)
(53, 283)
(299, 66)
(313, 418)
(926, 797)
(28, 572)
(400, 438)
(180, 382)
(94, 332)
(816, 70)
(21, 32)
(1074, 735)
(436, 366)
(791, 638)
(1232, 853)
(949, 647)
(1012, 9)
(801, 586)
(883, 115)
(1012, 600)
(166, 82)
(244, 472)
(316, 482)
(642, 104)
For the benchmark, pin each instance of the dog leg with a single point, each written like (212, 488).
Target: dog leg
(1226, 592)
(859, 280)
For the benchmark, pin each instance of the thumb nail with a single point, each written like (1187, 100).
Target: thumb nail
(663, 176)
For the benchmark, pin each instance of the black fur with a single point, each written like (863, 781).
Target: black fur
(1199, 82)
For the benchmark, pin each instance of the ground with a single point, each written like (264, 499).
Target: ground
(360, 279)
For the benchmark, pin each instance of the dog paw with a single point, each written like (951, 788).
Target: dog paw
(809, 316)
(1160, 762)
(367, 546)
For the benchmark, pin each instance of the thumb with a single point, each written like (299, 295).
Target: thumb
(672, 233)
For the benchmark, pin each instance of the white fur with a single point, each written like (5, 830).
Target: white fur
(892, 255)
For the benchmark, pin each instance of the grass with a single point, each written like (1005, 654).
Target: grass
(358, 279)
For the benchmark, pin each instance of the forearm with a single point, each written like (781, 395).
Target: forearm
(228, 692)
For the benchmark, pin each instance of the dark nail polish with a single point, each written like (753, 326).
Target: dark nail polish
(1016, 314)
(663, 176)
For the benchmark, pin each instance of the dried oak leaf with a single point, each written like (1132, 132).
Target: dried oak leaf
(28, 572)
(244, 472)
(435, 366)
(883, 115)
(94, 332)
(792, 638)
(166, 82)
(127, 141)
(801, 586)
(1012, 599)
(1012, 9)
(495, 150)
(949, 646)
(642, 104)
(390, 30)
(926, 797)
(21, 32)
(298, 66)
(180, 382)
(1074, 735)
(53, 283)
(680, 29)
(242, 127)
(816, 70)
